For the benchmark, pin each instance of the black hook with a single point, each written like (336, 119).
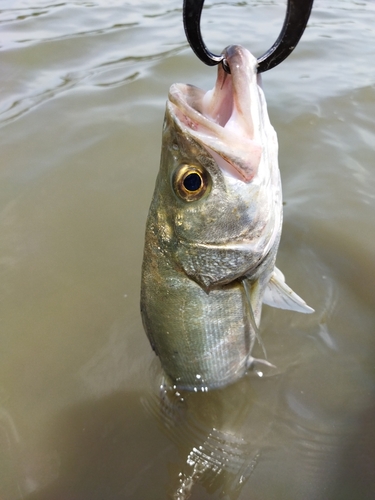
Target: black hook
(297, 15)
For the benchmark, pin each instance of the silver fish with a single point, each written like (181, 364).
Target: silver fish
(213, 229)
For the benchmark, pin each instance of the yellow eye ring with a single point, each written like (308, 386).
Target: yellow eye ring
(191, 182)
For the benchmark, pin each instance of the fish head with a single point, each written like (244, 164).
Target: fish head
(218, 193)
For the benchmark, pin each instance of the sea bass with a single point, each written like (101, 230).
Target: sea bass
(213, 229)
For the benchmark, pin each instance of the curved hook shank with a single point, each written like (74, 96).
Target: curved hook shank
(192, 10)
(297, 16)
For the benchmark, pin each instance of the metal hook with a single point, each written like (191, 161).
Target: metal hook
(297, 15)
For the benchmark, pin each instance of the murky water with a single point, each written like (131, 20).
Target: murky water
(82, 95)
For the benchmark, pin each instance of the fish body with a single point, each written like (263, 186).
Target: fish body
(213, 229)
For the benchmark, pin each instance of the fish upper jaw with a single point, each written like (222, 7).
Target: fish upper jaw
(227, 119)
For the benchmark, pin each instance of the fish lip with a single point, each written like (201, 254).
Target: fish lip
(225, 119)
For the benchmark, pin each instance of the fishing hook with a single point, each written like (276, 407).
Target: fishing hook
(296, 18)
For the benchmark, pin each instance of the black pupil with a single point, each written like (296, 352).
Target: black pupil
(192, 182)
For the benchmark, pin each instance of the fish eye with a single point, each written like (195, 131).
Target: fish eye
(191, 182)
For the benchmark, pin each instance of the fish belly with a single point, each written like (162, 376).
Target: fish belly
(203, 339)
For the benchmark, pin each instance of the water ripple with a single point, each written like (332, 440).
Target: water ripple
(104, 75)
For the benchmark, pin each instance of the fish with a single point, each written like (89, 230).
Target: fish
(213, 230)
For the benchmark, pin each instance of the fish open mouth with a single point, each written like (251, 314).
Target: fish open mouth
(227, 119)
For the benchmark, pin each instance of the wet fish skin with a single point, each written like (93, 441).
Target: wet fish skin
(195, 309)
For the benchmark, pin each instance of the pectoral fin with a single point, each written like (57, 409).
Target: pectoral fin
(279, 294)
(252, 292)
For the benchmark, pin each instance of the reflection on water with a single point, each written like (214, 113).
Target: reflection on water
(219, 435)
(82, 414)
